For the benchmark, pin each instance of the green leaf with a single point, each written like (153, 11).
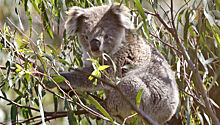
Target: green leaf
(19, 93)
(90, 59)
(46, 20)
(36, 101)
(218, 38)
(49, 31)
(70, 115)
(100, 108)
(39, 1)
(18, 68)
(103, 67)
(95, 73)
(142, 13)
(53, 50)
(1, 47)
(63, 61)
(140, 9)
(192, 31)
(186, 28)
(138, 97)
(179, 18)
(27, 75)
(8, 66)
(42, 62)
(55, 100)
(13, 113)
(48, 57)
(35, 6)
(58, 78)
(18, 98)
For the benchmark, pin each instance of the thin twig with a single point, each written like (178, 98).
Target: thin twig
(130, 116)
(166, 13)
(172, 18)
(43, 28)
(48, 119)
(166, 43)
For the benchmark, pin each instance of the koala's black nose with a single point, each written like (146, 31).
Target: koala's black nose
(95, 44)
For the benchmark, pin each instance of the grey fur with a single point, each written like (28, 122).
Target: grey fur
(152, 73)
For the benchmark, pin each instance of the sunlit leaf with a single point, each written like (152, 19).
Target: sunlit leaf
(207, 118)
(103, 67)
(140, 9)
(19, 68)
(200, 118)
(214, 103)
(138, 97)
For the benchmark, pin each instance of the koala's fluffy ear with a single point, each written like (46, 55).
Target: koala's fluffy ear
(73, 16)
(124, 15)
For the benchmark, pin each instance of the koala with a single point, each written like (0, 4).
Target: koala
(107, 29)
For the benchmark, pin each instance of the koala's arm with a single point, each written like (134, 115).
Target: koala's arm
(79, 80)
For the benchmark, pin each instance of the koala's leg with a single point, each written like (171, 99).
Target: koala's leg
(79, 80)
(159, 98)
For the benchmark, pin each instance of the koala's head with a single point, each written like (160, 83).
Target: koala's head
(100, 29)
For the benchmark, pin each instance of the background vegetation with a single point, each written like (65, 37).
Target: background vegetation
(32, 35)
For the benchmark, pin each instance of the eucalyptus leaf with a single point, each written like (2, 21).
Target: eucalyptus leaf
(100, 108)
(13, 114)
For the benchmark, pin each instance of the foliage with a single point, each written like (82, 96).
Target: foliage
(189, 38)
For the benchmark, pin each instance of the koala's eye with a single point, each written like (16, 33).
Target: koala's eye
(106, 37)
